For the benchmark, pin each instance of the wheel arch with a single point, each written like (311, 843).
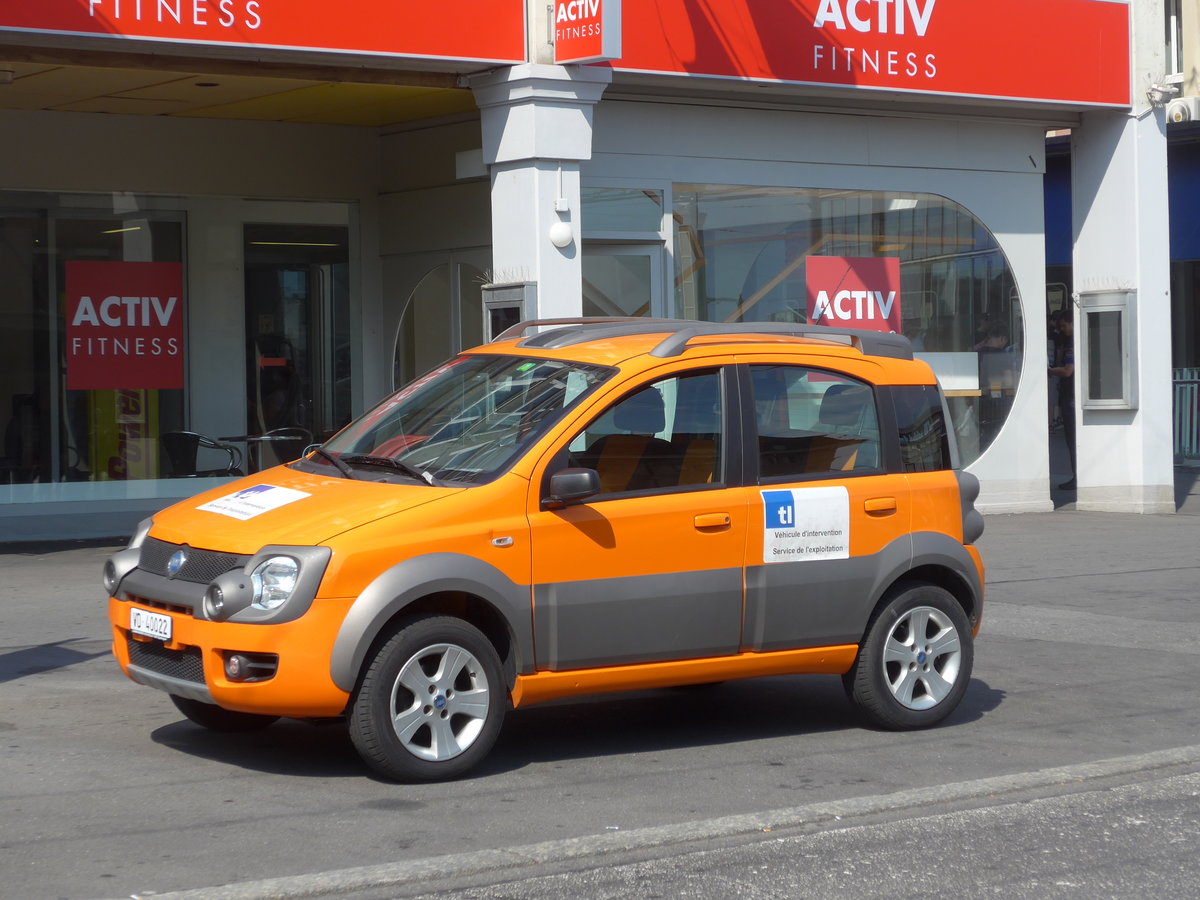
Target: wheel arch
(942, 561)
(437, 584)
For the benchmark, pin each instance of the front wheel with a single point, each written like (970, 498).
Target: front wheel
(431, 702)
(914, 664)
(216, 718)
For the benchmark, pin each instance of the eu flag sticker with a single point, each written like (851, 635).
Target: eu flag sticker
(806, 524)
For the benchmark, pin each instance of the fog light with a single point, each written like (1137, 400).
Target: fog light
(236, 666)
(250, 666)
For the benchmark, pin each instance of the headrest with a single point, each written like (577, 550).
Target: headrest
(843, 404)
(643, 413)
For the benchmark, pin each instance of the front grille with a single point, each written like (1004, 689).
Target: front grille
(186, 664)
(202, 566)
(159, 604)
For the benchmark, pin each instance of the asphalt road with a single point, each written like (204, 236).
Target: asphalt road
(1090, 652)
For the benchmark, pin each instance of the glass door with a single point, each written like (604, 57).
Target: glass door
(298, 337)
(622, 280)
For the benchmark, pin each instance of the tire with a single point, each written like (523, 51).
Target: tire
(899, 681)
(431, 702)
(216, 718)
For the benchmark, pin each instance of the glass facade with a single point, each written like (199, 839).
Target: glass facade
(741, 254)
(123, 356)
(92, 325)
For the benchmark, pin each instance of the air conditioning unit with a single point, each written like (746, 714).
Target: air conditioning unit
(1184, 109)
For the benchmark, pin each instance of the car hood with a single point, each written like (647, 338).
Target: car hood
(285, 506)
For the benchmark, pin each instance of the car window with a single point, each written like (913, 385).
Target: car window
(664, 435)
(924, 444)
(812, 422)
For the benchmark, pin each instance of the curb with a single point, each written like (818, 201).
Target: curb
(412, 873)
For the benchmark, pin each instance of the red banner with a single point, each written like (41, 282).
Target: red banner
(587, 30)
(1070, 51)
(124, 325)
(474, 30)
(854, 292)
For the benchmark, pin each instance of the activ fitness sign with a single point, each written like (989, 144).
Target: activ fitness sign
(473, 30)
(1068, 51)
(124, 325)
(587, 30)
(854, 292)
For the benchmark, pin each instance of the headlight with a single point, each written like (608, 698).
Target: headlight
(274, 580)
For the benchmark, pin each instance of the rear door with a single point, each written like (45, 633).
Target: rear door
(827, 518)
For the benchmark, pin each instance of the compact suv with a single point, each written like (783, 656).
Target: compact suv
(581, 506)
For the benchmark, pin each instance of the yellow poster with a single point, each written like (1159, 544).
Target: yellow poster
(123, 426)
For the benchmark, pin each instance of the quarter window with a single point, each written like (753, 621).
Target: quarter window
(924, 444)
(812, 423)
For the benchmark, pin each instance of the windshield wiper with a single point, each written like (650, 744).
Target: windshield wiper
(391, 463)
(337, 462)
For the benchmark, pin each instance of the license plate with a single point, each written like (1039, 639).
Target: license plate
(149, 624)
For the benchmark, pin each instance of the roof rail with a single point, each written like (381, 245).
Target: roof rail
(681, 331)
(869, 343)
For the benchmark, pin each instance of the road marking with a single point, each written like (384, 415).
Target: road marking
(411, 873)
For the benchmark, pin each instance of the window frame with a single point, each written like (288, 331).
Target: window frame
(889, 450)
(730, 450)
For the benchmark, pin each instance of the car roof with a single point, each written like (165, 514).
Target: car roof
(612, 341)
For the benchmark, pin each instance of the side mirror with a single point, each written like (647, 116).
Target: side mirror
(571, 485)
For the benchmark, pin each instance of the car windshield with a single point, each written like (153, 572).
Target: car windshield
(464, 422)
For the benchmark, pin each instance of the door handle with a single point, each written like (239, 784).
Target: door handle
(712, 521)
(884, 506)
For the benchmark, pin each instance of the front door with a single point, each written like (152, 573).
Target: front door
(651, 568)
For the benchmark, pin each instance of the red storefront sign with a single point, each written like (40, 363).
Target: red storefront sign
(587, 30)
(476, 30)
(854, 292)
(124, 325)
(1070, 51)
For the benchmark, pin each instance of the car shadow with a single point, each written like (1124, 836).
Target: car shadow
(587, 728)
(27, 661)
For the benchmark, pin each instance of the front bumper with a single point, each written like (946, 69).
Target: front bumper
(192, 663)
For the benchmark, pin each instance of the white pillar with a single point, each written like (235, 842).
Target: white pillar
(1125, 457)
(537, 128)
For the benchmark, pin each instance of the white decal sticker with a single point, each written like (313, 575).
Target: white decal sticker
(253, 501)
(806, 524)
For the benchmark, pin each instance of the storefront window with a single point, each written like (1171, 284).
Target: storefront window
(92, 306)
(742, 254)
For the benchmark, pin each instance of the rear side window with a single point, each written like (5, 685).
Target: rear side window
(924, 443)
(813, 423)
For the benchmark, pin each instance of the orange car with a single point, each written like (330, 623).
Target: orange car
(581, 506)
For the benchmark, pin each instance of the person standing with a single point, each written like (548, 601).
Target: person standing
(1064, 369)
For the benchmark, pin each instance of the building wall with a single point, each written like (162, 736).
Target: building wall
(995, 170)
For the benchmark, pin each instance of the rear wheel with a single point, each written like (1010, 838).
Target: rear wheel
(914, 665)
(431, 702)
(216, 718)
